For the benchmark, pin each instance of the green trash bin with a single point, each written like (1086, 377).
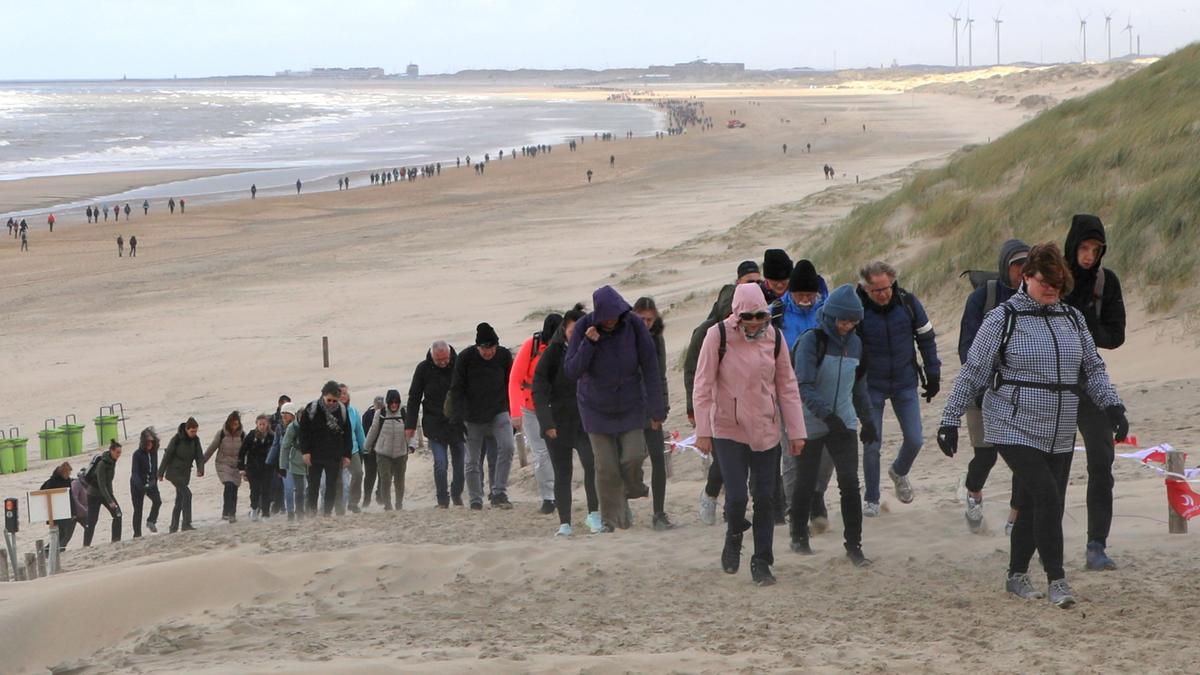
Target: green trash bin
(20, 449)
(7, 461)
(106, 429)
(72, 439)
(51, 443)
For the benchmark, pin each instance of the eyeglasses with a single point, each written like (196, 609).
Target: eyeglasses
(754, 316)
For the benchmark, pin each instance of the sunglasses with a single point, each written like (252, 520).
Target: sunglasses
(754, 316)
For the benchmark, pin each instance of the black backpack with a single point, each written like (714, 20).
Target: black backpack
(89, 474)
(822, 339)
(992, 279)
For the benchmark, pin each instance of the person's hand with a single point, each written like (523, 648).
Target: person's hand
(345, 462)
(307, 458)
(704, 445)
(868, 434)
(116, 509)
(242, 473)
(282, 473)
(692, 419)
(947, 440)
(1120, 424)
(592, 333)
(517, 423)
(933, 384)
(552, 433)
(200, 473)
(160, 479)
(835, 424)
(656, 424)
(796, 446)
(409, 433)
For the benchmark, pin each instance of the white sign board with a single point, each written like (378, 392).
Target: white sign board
(46, 505)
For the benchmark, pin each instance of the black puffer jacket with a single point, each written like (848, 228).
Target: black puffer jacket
(479, 386)
(1105, 316)
(326, 446)
(429, 387)
(553, 392)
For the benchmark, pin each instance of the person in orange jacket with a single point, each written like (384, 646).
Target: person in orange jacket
(521, 407)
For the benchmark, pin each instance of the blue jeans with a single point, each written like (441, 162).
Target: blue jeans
(739, 463)
(907, 406)
(444, 454)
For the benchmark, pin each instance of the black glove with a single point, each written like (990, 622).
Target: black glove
(1120, 425)
(835, 424)
(868, 434)
(933, 384)
(947, 440)
(282, 473)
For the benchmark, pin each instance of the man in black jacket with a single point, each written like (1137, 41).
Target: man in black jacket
(430, 384)
(479, 397)
(325, 441)
(100, 493)
(1097, 295)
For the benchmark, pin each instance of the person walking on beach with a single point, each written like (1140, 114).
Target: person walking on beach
(744, 384)
(521, 407)
(369, 461)
(894, 326)
(24, 242)
(479, 398)
(88, 212)
(612, 355)
(388, 442)
(170, 206)
(985, 298)
(1097, 296)
(326, 443)
(143, 481)
(656, 447)
(430, 384)
(145, 207)
(106, 213)
(120, 246)
(612, 161)
(352, 475)
(785, 148)
(133, 246)
(182, 205)
(290, 460)
(1034, 359)
(127, 210)
(554, 397)
(50, 221)
(252, 465)
(59, 479)
(589, 176)
(116, 210)
(298, 185)
(226, 445)
(182, 452)
(100, 493)
(254, 189)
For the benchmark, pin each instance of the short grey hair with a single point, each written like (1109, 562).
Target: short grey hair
(876, 268)
(439, 346)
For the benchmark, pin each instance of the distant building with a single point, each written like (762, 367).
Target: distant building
(412, 71)
(700, 68)
(334, 73)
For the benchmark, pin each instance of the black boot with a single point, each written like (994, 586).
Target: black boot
(800, 545)
(856, 556)
(731, 555)
(760, 572)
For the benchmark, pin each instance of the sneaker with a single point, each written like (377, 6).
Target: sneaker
(708, 508)
(457, 501)
(476, 506)
(606, 528)
(253, 515)
(232, 519)
(870, 509)
(904, 490)
(1061, 595)
(856, 556)
(150, 525)
(1021, 586)
(594, 523)
(974, 515)
(547, 507)
(500, 501)
(564, 530)
(662, 523)
(353, 508)
(760, 572)
(1097, 559)
(225, 517)
(800, 545)
(187, 528)
(731, 555)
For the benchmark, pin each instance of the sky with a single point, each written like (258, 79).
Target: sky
(105, 39)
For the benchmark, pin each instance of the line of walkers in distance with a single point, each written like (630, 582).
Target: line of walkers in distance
(781, 363)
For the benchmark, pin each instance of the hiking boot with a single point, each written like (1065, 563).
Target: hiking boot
(547, 507)
(760, 572)
(731, 555)
(1061, 595)
(870, 509)
(593, 522)
(150, 525)
(974, 515)
(708, 508)
(564, 530)
(662, 523)
(476, 506)
(800, 545)
(606, 528)
(500, 501)
(856, 556)
(904, 490)
(443, 506)
(1021, 586)
(187, 528)
(1097, 559)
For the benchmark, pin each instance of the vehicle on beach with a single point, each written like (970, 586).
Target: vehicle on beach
(735, 124)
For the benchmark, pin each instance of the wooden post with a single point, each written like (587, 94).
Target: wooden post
(54, 552)
(41, 558)
(30, 567)
(3, 565)
(522, 449)
(325, 349)
(1176, 524)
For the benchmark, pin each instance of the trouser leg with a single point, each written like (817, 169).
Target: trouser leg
(139, 496)
(384, 467)
(155, 504)
(907, 406)
(871, 451)
(587, 460)
(229, 507)
(370, 469)
(399, 468)
(609, 487)
(656, 449)
(562, 456)
(474, 468)
(1042, 480)
(714, 481)
(543, 468)
(807, 470)
(506, 444)
(1098, 441)
(734, 460)
(441, 459)
(843, 451)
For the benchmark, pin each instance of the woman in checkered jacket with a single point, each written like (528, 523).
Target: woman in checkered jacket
(1033, 358)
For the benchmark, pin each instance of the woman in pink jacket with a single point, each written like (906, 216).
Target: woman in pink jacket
(744, 384)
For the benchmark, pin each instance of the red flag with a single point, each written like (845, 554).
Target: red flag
(1183, 499)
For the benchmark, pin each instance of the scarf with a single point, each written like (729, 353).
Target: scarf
(331, 419)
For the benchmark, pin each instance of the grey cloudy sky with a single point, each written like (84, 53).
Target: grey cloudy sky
(161, 38)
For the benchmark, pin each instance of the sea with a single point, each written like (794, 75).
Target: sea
(271, 133)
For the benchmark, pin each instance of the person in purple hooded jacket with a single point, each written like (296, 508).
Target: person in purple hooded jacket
(612, 355)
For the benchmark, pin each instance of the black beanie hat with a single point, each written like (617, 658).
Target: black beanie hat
(776, 264)
(485, 336)
(747, 267)
(550, 325)
(804, 278)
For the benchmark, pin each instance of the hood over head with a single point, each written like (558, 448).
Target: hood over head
(749, 298)
(393, 396)
(608, 304)
(550, 326)
(1011, 251)
(148, 434)
(1084, 226)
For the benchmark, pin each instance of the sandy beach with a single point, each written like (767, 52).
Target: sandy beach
(225, 306)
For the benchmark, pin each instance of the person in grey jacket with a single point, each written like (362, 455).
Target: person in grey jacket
(390, 444)
(1036, 358)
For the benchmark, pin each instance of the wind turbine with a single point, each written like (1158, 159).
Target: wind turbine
(969, 30)
(1129, 27)
(1083, 34)
(996, 20)
(956, 18)
(1108, 33)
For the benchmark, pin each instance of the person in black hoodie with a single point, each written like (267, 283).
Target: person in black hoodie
(143, 481)
(61, 478)
(1097, 295)
(430, 384)
(252, 463)
(656, 446)
(326, 443)
(479, 398)
(183, 450)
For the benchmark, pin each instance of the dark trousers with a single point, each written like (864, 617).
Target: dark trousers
(1098, 440)
(370, 471)
(94, 504)
(333, 487)
(656, 447)
(714, 481)
(448, 456)
(261, 478)
(66, 530)
(139, 496)
(1042, 487)
(739, 463)
(277, 503)
(183, 507)
(843, 451)
(562, 450)
(229, 505)
(979, 469)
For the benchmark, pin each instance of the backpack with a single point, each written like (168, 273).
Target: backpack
(1010, 325)
(89, 474)
(822, 339)
(721, 348)
(992, 279)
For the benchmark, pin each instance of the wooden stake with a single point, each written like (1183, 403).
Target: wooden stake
(3, 565)
(41, 558)
(1176, 524)
(522, 450)
(325, 349)
(30, 567)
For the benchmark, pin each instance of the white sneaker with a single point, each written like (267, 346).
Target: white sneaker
(870, 509)
(594, 523)
(708, 508)
(564, 530)
(974, 514)
(904, 490)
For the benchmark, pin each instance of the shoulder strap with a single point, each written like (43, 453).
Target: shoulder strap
(721, 346)
(778, 342)
(990, 303)
(1098, 291)
(822, 346)
(1010, 325)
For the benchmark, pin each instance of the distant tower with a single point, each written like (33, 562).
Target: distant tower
(412, 71)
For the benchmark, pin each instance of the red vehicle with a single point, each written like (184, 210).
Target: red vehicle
(735, 124)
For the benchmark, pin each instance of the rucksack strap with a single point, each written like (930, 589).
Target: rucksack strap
(990, 303)
(1098, 292)
(722, 348)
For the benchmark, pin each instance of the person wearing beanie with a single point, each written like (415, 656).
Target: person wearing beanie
(522, 409)
(183, 450)
(478, 398)
(370, 466)
(986, 297)
(826, 360)
(388, 442)
(1097, 295)
(748, 272)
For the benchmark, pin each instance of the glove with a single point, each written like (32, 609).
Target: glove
(282, 473)
(868, 434)
(835, 424)
(947, 440)
(1120, 424)
(933, 384)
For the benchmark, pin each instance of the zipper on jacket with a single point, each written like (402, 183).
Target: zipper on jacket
(837, 388)
(1058, 378)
